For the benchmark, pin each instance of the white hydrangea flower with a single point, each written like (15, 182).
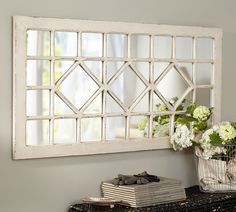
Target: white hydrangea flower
(208, 153)
(216, 128)
(182, 138)
(206, 136)
(201, 113)
(227, 131)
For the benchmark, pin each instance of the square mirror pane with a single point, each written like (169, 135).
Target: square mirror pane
(203, 96)
(115, 128)
(38, 72)
(90, 129)
(139, 127)
(64, 131)
(92, 44)
(117, 45)
(163, 47)
(38, 43)
(37, 132)
(66, 43)
(204, 73)
(140, 46)
(161, 126)
(204, 48)
(184, 47)
(37, 102)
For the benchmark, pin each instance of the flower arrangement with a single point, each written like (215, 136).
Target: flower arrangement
(191, 124)
(161, 122)
(213, 140)
(188, 125)
(215, 146)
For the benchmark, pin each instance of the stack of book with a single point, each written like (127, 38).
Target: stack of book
(165, 191)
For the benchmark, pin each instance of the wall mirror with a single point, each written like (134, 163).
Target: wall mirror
(90, 87)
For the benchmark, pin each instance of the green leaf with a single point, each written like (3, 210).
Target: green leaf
(191, 108)
(233, 124)
(190, 118)
(182, 121)
(215, 139)
(199, 126)
(180, 107)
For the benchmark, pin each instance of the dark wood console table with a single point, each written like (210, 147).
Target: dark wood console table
(196, 201)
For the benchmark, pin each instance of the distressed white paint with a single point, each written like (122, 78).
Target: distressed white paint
(21, 24)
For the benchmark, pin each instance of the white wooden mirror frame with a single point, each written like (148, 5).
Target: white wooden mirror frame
(22, 24)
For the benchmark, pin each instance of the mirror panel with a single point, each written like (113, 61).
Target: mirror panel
(127, 94)
(95, 84)
(161, 126)
(204, 48)
(143, 68)
(204, 73)
(37, 102)
(92, 44)
(112, 67)
(37, 132)
(187, 70)
(184, 47)
(163, 47)
(90, 129)
(78, 87)
(66, 44)
(95, 67)
(61, 67)
(38, 43)
(138, 127)
(143, 104)
(60, 107)
(112, 106)
(95, 106)
(203, 96)
(159, 68)
(117, 45)
(140, 46)
(115, 128)
(64, 131)
(172, 85)
(38, 72)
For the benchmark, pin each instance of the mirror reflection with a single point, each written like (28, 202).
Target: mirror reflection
(37, 132)
(38, 43)
(38, 72)
(137, 86)
(64, 131)
(204, 48)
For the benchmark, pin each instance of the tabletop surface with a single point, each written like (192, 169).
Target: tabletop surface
(195, 201)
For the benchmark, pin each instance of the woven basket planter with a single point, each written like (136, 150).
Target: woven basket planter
(217, 174)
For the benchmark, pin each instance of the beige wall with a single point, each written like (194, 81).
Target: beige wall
(50, 185)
